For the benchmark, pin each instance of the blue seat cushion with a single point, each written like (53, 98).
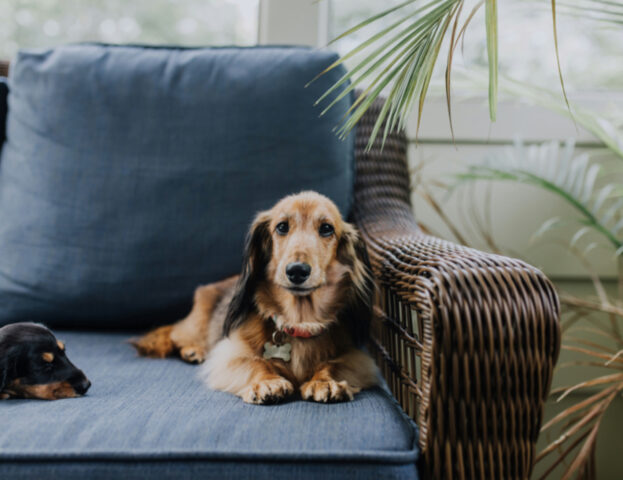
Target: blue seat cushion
(130, 174)
(147, 418)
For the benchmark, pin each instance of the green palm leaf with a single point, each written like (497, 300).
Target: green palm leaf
(558, 171)
(401, 58)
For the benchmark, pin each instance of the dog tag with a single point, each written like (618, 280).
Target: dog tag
(277, 351)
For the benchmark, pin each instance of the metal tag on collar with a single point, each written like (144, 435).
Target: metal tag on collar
(281, 352)
(279, 337)
(279, 348)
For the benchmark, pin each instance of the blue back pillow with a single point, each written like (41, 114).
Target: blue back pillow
(131, 174)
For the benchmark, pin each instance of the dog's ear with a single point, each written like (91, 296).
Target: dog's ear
(257, 254)
(3, 373)
(356, 315)
(6, 360)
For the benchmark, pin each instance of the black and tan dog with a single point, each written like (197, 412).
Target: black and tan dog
(33, 364)
(295, 317)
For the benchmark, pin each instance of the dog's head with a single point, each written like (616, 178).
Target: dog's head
(304, 252)
(33, 364)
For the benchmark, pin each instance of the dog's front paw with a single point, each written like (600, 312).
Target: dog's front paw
(327, 391)
(268, 391)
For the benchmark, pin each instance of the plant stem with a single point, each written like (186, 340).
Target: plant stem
(572, 301)
(620, 275)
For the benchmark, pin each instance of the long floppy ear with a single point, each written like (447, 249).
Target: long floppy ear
(3, 374)
(5, 362)
(356, 315)
(256, 257)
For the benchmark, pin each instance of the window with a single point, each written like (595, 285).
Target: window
(591, 49)
(44, 23)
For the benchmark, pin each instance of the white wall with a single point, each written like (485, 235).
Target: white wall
(293, 22)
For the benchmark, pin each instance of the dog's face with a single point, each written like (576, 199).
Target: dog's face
(304, 232)
(302, 248)
(33, 364)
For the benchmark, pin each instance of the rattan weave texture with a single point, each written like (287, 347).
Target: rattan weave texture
(466, 340)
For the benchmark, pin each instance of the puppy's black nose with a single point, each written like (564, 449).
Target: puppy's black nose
(82, 386)
(298, 272)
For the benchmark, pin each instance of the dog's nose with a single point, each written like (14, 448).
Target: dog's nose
(298, 272)
(82, 386)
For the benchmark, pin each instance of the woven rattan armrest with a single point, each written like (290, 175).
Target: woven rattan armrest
(466, 340)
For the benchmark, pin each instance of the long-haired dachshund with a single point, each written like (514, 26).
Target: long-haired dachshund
(293, 320)
(33, 364)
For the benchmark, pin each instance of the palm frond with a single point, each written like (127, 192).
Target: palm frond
(558, 171)
(607, 129)
(579, 423)
(402, 63)
(401, 57)
(491, 20)
(597, 10)
(556, 49)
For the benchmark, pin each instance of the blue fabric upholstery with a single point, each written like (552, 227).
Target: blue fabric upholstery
(147, 418)
(130, 174)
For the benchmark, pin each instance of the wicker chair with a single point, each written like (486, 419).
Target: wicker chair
(466, 340)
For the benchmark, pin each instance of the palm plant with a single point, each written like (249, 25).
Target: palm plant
(399, 59)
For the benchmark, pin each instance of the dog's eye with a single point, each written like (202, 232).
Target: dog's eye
(282, 228)
(326, 230)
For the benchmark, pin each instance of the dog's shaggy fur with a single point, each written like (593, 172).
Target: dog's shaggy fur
(33, 364)
(328, 314)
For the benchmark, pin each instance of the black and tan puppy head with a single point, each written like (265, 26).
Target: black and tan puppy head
(34, 364)
(302, 248)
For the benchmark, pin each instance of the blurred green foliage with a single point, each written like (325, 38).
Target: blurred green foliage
(45, 23)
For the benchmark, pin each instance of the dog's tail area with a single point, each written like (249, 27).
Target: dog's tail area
(156, 344)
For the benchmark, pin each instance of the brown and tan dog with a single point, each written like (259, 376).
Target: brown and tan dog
(295, 317)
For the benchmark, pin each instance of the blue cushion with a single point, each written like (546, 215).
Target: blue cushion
(4, 91)
(130, 174)
(147, 418)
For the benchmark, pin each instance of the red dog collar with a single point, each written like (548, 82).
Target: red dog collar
(298, 332)
(294, 331)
